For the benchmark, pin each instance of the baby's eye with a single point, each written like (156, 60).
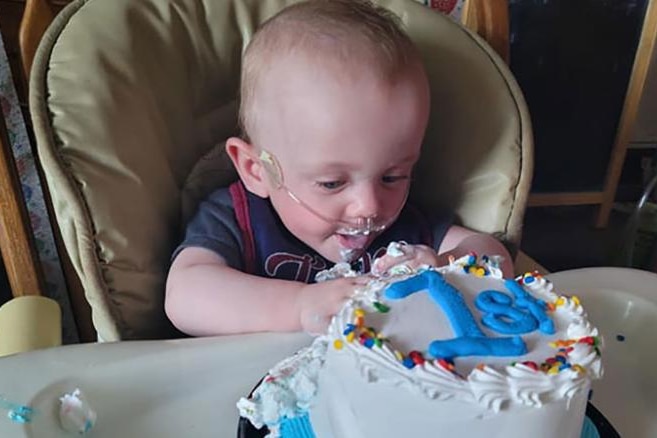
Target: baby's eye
(330, 185)
(391, 179)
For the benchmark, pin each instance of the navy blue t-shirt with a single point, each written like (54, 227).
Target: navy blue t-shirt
(247, 233)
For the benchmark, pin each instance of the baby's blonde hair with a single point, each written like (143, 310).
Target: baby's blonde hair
(362, 33)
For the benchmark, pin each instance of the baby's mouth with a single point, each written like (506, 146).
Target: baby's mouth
(352, 246)
(353, 242)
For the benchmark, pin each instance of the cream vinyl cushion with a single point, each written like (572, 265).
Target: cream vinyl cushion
(132, 99)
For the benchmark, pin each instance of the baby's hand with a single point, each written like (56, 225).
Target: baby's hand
(318, 302)
(413, 256)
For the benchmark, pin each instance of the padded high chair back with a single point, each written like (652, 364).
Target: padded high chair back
(131, 101)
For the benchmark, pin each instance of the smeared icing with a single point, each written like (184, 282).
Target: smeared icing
(75, 413)
(287, 390)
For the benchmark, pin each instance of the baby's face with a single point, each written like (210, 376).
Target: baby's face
(346, 143)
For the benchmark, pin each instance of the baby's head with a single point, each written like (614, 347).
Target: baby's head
(334, 105)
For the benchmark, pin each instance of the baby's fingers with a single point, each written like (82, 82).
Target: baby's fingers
(385, 263)
(413, 256)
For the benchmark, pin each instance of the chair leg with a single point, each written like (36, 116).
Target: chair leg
(489, 19)
(16, 240)
(37, 17)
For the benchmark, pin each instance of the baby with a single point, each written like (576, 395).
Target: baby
(334, 106)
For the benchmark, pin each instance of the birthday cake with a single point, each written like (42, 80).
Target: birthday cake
(456, 350)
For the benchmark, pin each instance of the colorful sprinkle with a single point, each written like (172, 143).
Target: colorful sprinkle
(530, 364)
(359, 313)
(398, 355)
(408, 363)
(382, 308)
(369, 342)
(562, 343)
(587, 340)
(416, 357)
(338, 344)
(351, 336)
(579, 369)
(446, 364)
(350, 328)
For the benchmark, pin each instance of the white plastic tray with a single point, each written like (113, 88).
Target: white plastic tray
(189, 387)
(623, 304)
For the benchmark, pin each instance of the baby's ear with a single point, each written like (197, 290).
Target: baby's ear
(248, 165)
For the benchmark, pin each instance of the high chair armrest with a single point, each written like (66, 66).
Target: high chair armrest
(523, 263)
(29, 323)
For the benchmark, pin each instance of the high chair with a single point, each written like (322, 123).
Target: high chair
(131, 101)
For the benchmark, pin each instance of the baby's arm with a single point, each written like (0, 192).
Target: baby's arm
(205, 296)
(457, 242)
(460, 241)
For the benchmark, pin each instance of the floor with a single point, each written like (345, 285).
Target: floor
(562, 238)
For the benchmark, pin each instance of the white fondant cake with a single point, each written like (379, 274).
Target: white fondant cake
(454, 350)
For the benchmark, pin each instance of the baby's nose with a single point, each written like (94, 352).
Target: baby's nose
(367, 202)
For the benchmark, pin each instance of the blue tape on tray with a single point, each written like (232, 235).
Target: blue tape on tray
(16, 412)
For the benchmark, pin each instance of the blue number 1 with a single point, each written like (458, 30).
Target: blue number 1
(469, 340)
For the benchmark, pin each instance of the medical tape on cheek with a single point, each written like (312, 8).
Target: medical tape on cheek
(272, 167)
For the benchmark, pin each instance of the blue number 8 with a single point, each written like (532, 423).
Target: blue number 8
(500, 314)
